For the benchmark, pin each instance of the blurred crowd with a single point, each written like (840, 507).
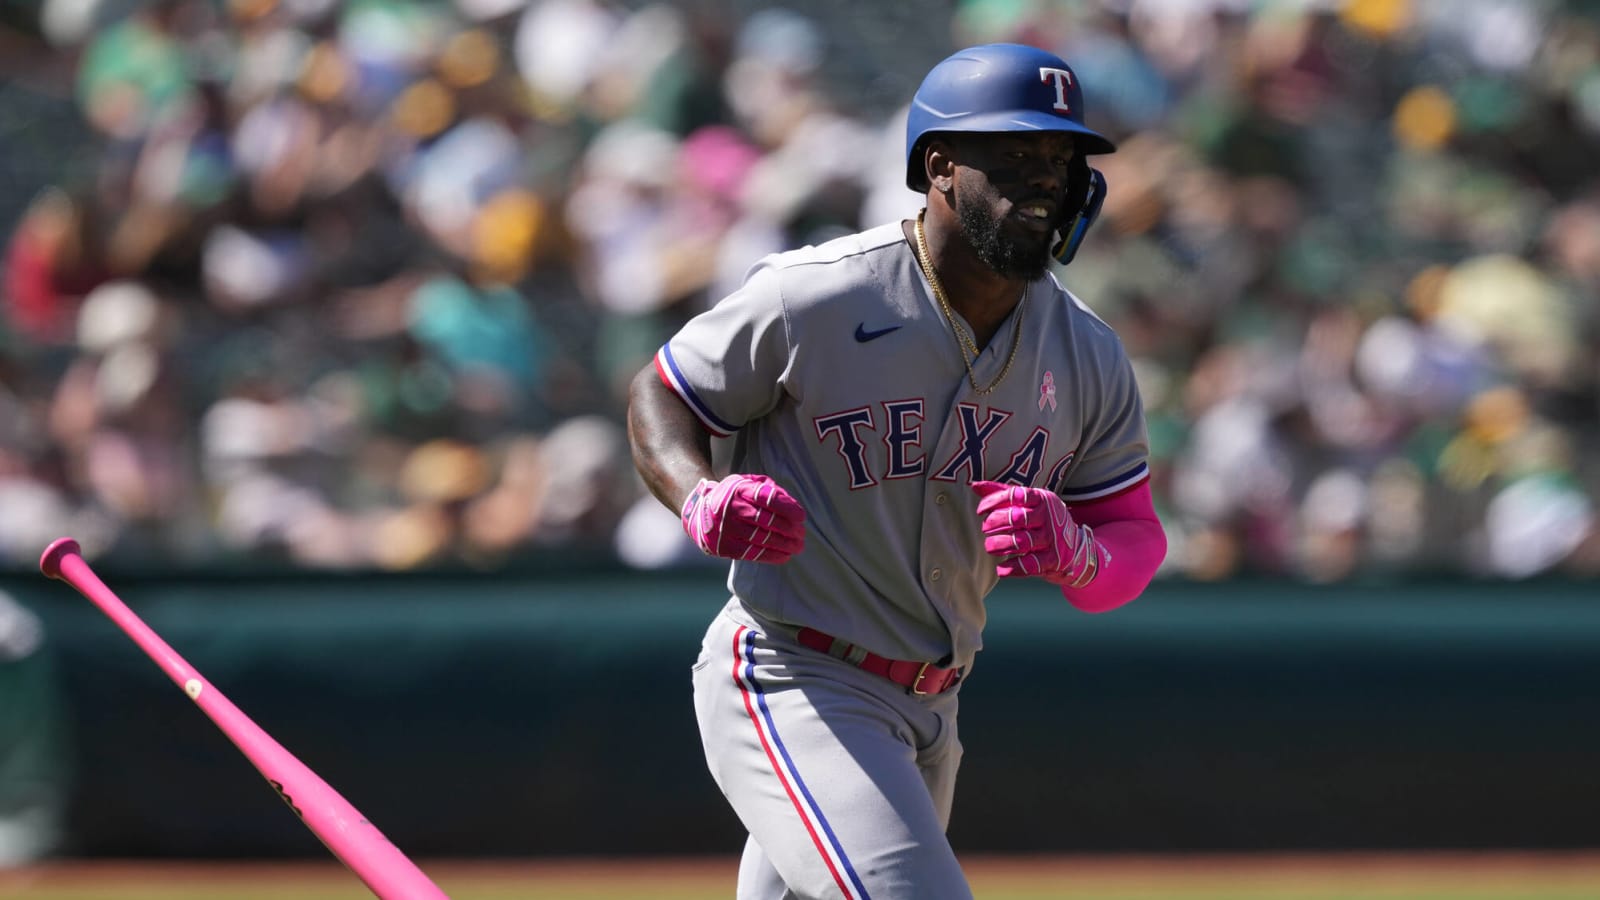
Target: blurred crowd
(358, 285)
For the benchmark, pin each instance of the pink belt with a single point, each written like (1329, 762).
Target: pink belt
(917, 677)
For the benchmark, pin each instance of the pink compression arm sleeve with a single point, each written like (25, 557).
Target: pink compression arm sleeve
(1125, 525)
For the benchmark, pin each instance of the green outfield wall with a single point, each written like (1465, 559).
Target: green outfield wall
(550, 713)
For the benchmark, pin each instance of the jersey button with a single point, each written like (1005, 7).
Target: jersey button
(941, 498)
(936, 574)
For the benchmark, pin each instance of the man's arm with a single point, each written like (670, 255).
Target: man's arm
(671, 450)
(1101, 554)
(1132, 547)
(739, 517)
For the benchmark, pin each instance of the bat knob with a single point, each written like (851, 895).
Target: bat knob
(59, 549)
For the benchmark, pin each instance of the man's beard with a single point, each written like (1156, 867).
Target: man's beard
(1010, 257)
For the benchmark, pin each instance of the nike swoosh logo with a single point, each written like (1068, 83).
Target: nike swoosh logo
(863, 335)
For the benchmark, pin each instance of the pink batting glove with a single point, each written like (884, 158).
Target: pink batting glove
(1032, 533)
(744, 517)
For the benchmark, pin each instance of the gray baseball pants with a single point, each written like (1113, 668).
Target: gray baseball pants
(843, 779)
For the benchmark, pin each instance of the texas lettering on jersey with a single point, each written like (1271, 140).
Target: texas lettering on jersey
(852, 430)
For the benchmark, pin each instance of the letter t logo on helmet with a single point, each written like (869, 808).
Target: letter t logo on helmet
(1063, 80)
(995, 88)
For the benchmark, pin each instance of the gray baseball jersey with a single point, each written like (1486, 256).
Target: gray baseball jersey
(837, 371)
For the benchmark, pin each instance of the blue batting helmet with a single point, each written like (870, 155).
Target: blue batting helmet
(997, 87)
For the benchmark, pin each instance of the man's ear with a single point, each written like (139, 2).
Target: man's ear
(940, 165)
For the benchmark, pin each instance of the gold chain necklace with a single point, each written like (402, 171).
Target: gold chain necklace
(968, 345)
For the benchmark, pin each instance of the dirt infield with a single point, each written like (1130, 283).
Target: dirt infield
(1442, 876)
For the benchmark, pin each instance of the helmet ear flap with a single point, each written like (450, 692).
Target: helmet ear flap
(917, 164)
(1086, 190)
(917, 168)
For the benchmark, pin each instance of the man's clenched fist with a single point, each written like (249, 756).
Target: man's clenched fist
(744, 517)
(1032, 533)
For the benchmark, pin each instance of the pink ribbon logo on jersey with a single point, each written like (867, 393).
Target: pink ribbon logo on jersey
(1047, 391)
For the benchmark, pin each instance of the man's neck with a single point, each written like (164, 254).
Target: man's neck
(979, 295)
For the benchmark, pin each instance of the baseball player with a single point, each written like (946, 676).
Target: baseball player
(918, 410)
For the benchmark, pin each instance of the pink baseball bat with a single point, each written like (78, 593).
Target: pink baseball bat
(341, 827)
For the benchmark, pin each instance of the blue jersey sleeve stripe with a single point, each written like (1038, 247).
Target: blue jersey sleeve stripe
(1107, 488)
(673, 376)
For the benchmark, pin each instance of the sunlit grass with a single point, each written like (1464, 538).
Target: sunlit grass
(1436, 877)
